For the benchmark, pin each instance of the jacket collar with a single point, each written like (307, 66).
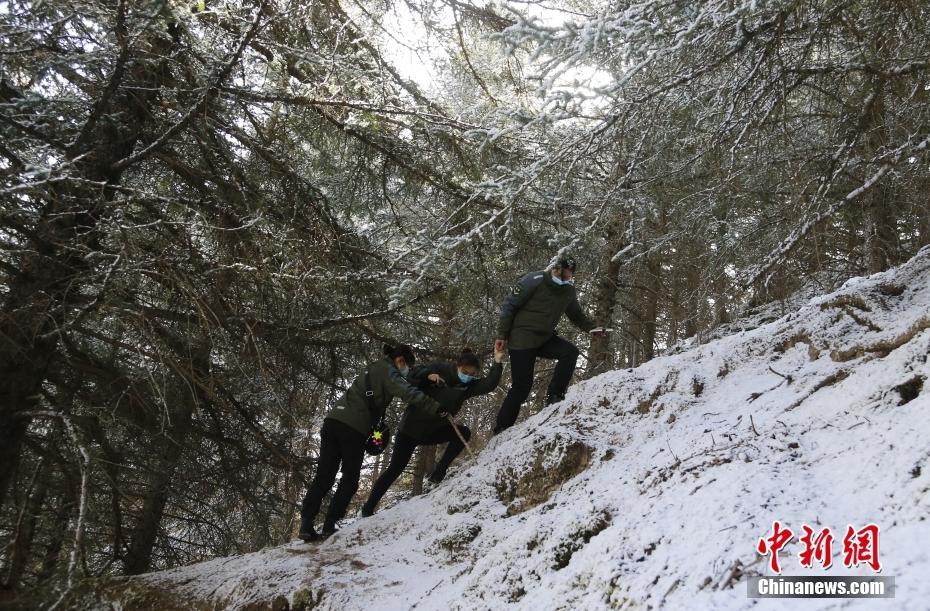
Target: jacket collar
(548, 281)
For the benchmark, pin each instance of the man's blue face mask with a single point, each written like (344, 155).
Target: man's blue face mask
(465, 378)
(559, 281)
(404, 371)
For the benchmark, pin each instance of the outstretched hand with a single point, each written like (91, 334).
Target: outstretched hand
(499, 351)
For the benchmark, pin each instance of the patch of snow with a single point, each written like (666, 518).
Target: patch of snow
(694, 455)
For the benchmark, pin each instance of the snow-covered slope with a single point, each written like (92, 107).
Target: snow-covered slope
(650, 487)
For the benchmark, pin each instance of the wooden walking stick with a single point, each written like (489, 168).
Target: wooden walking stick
(459, 433)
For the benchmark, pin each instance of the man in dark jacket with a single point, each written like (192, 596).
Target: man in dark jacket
(346, 428)
(527, 328)
(451, 385)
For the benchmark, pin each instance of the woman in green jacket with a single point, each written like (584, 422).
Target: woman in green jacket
(346, 428)
(450, 384)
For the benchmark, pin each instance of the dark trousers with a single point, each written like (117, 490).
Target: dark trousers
(522, 364)
(340, 443)
(404, 446)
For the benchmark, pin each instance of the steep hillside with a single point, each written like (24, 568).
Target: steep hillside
(648, 487)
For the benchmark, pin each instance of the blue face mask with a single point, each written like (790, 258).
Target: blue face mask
(404, 371)
(465, 378)
(560, 282)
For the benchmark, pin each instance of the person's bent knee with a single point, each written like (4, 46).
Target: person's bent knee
(351, 479)
(321, 483)
(349, 485)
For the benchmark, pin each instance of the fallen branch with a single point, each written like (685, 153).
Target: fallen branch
(459, 433)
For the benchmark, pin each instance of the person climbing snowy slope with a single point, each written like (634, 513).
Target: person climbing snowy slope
(527, 330)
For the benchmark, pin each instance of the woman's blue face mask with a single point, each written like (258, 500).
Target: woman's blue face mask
(465, 378)
(404, 372)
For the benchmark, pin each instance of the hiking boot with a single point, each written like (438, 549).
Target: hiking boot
(550, 399)
(307, 532)
(367, 510)
(328, 531)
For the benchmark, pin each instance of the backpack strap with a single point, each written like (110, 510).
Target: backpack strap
(370, 396)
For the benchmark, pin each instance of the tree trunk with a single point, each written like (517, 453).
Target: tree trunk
(923, 227)
(881, 219)
(426, 462)
(376, 468)
(600, 357)
(21, 547)
(651, 306)
(58, 529)
(168, 444)
(142, 538)
(675, 309)
(692, 289)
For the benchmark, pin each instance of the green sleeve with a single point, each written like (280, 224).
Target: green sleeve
(487, 383)
(398, 386)
(578, 317)
(420, 374)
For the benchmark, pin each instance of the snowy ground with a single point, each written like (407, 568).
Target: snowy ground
(660, 481)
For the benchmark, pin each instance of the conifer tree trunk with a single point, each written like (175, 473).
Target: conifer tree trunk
(651, 294)
(600, 357)
(20, 548)
(881, 207)
(189, 395)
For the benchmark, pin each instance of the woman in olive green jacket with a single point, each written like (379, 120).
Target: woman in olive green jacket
(450, 384)
(346, 428)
